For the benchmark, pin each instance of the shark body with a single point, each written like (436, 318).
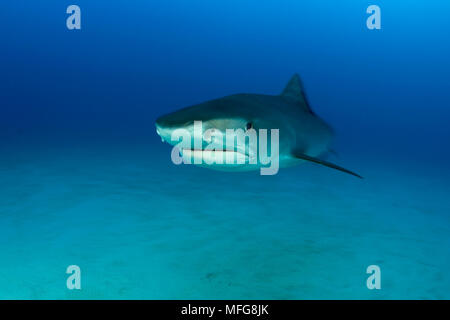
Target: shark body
(303, 136)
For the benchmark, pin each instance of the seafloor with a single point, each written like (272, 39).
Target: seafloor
(140, 227)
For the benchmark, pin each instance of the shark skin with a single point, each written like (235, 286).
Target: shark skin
(303, 136)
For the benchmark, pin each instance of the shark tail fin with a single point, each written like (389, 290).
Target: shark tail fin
(294, 91)
(325, 163)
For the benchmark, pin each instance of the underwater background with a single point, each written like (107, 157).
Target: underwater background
(85, 180)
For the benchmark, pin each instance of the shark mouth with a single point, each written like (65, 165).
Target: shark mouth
(216, 156)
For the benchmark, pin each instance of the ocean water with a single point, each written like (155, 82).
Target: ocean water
(85, 180)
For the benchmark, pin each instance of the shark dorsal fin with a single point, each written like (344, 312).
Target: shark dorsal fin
(294, 91)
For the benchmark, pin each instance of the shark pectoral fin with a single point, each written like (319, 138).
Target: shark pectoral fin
(324, 163)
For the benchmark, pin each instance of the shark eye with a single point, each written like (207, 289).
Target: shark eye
(249, 125)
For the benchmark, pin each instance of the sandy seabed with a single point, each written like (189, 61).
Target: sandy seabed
(140, 227)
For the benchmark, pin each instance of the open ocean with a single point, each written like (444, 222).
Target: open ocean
(85, 180)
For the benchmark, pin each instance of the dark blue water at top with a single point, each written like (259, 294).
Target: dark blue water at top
(384, 90)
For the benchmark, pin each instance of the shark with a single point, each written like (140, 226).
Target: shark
(303, 135)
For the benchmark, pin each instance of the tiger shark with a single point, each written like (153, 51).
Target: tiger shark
(303, 136)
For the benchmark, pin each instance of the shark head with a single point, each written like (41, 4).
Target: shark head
(209, 125)
(244, 126)
(231, 112)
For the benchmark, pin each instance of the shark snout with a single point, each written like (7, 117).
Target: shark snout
(164, 132)
(165, 126)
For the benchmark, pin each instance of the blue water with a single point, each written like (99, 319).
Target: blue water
(85, 180)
